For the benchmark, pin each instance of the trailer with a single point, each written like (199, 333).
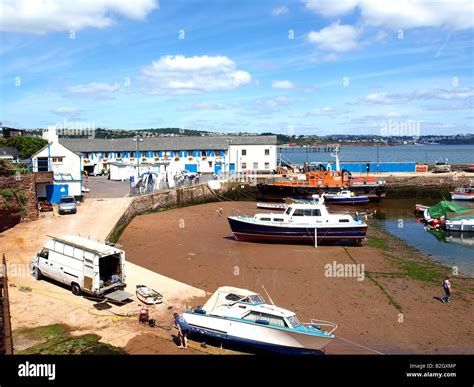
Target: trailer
(85, 265)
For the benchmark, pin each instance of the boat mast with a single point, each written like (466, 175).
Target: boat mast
(268, 295)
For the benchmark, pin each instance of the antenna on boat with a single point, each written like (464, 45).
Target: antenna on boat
(268, 295)
(336, 155)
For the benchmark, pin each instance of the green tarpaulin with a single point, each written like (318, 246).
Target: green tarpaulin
(443, 207)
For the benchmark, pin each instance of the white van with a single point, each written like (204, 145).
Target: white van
(84, 265)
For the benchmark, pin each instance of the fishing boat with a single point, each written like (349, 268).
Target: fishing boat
(463, 193)
(243, 317)
(303, 223)
(420, 209)
(319, 180)
(445, 212)
(148, 295)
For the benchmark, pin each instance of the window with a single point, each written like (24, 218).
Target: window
(267, 152)
(244, 165)
(156, 154)
(244, 152)
(288, 210)
(106, 155)
(86, 155)
(218, 153)
(306, 212)
(58, 159)
(266, 219)
(203, 153)
(343, 220)
(134, 154)
(44, 253)
(255, 165)
(274, 320)
(267, 165)
(278, 220)
(210, 164)
(294, 322)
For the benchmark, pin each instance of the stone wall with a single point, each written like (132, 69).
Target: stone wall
(162, 199)
(10, 213)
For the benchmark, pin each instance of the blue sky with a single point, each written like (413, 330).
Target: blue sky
(300, 67)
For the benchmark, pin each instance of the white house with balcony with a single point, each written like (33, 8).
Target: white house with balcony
(65, 165)
(204, 154)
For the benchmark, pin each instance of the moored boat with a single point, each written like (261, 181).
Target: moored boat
(345, 197)
(321, 180)
(148, 295)
(301, 223)
(271, 206)
(463, 193)
(243, 317)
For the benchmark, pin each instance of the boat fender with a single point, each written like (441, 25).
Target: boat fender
(263, 322)
(199, 311)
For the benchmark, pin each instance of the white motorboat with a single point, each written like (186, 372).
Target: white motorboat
(148, 295)
(463, 193)
(460, 223)
(242, 316)
(271, 206)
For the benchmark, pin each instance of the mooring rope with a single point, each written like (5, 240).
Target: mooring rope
(367, 348)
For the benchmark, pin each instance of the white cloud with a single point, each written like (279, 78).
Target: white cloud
(282, 85)
(273, 104)
(187, 75)
(326, 111)
(203, 106)
(422, 94)
(41, 16)
(336, 37)
(66, 112)
(279, 11)
(331, 8)
(453, 14)
(94, 90)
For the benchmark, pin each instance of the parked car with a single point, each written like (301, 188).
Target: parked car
(67, 204)
(441, 167)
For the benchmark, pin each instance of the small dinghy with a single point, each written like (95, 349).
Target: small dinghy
(148, 295)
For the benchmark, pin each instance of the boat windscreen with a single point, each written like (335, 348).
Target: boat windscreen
(254, 299)
(294, 322)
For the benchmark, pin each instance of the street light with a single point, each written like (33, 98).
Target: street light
(138, 140)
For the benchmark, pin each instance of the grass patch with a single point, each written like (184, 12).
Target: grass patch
(56, 340)
(422, 272)
(378, 243)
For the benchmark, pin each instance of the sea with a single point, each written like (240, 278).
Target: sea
(455, 154)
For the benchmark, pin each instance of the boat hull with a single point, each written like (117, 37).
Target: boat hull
(460, 226)
(257, 232)
(262, 337)
(275, 192)
(468, 197)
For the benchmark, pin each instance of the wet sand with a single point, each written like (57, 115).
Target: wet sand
(391, 313)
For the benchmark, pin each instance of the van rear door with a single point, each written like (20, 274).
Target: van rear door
(88, 271)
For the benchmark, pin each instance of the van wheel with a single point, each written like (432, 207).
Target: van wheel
(76, 289)
(37, 274)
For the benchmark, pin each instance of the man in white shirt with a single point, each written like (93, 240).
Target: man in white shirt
(447, 289)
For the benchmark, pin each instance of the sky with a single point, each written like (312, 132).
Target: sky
(304, 67)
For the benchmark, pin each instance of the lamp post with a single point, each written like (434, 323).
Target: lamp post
(138, 140)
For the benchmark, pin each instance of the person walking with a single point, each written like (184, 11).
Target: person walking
(447, 289)
(183, 330)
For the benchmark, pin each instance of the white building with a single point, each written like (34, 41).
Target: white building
(206, 154)
(65, 165)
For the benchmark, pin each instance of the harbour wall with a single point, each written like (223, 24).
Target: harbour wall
(179, 197)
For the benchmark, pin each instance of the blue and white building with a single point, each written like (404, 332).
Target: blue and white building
(205, 154)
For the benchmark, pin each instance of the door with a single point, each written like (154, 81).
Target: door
(217, 168)
(231, 167)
